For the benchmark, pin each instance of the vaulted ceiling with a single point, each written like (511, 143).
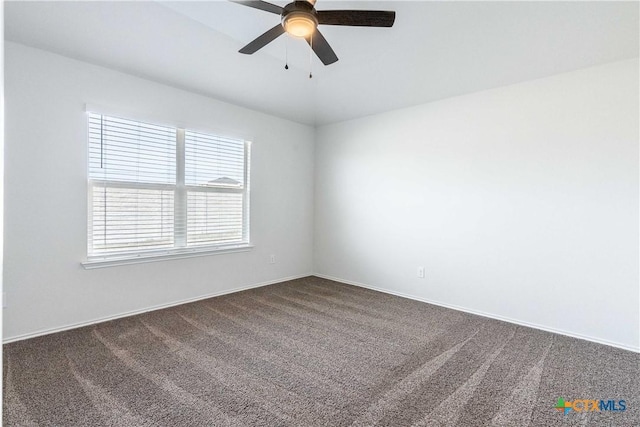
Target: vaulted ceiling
(435, 49)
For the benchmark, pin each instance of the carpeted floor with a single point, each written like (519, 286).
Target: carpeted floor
(313, 352)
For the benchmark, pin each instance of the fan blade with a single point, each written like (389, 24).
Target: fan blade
(357, 18)
(262, 5)
(263, 40)
(321, 47)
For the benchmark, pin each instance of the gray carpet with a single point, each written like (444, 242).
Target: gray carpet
(312, 352)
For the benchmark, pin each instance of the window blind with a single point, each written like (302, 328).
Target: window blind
(213, 161)
(131, 218)
(128, 151)
(158, 188)
(215, 176)
(129, 163)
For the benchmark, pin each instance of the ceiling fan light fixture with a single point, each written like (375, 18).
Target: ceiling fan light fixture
(300, 24)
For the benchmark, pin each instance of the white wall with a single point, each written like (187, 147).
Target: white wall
(521, 202)
(46, 203)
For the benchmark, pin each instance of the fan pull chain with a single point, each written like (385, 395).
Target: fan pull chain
(286, 53)
(310, 55)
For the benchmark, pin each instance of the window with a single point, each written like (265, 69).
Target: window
(158, 190)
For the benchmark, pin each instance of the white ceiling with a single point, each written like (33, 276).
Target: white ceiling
(435, 49)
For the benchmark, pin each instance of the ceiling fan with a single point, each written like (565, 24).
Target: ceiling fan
(301, 19)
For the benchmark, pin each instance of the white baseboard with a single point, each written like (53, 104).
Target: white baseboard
(483, 314)
(146, 309)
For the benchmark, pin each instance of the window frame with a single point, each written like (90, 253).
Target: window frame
(180, 190)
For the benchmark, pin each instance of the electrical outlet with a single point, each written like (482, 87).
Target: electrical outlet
(272, 259)
(421, 272)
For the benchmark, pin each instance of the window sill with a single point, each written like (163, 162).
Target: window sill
(113, 261)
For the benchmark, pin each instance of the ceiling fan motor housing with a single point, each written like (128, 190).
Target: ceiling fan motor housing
(299, 18)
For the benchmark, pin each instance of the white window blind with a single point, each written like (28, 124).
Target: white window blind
(160, 189)
(215, 183)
